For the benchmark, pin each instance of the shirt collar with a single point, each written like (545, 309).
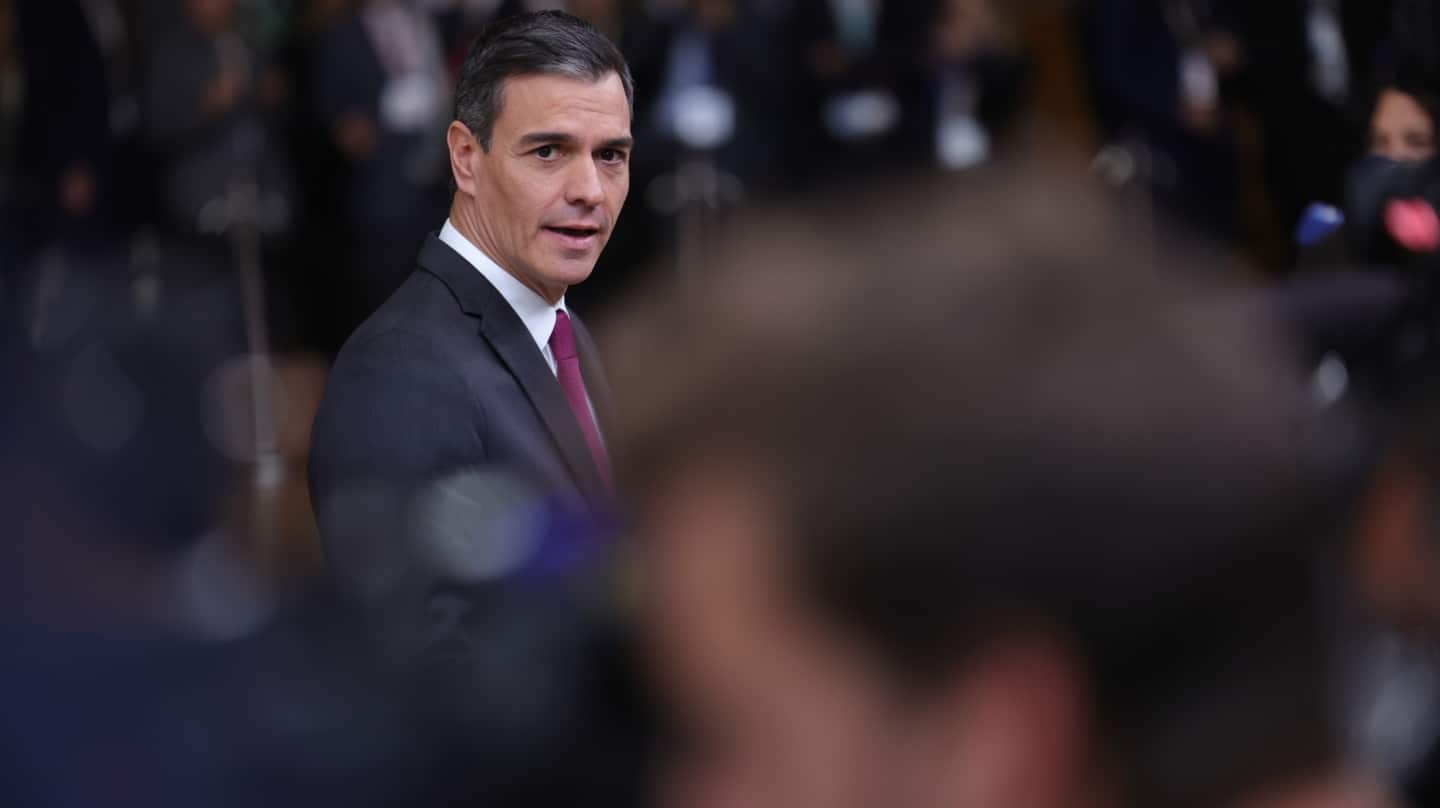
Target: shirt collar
(534, 311)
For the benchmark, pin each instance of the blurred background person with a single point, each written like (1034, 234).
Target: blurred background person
(856, 76)
(1030, 528)
(211, 95)
(62, 152)
(1311, 65)
(708, 113)
(225, 192)
(977, 76)
(1402, 125)
(1399, 141)
(713, 45)
(382, 93)
(1394, 558)
(1363, 295)
(1157, 72)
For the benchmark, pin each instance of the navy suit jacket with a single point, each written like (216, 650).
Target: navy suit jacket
(443, 378)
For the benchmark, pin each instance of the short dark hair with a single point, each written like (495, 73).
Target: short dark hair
(981, 412)
(544, 42)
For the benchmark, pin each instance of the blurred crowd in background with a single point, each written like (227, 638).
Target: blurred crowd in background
(126, 124)
(201, 199)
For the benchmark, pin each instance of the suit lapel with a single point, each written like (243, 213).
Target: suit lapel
(507, 335)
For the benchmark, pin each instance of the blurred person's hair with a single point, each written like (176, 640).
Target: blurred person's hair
(543, 43)
(983, 412)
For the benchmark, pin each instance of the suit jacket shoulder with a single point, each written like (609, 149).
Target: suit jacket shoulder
(445, 375)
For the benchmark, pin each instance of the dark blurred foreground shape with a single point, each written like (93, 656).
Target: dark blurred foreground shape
(152, 660)
(975, 505)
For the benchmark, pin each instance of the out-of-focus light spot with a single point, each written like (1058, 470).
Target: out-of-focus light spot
(1115, 165)
(214, 216)
(230, 409)
(1396, 712)
(478, 525)
(694, 183)
(704, 117)
(961, 143)
(411, 103)
(145, 291)
(365, 517)
(861, 116)
(59, 303)
(1413, 224)
(1330, 380)
(102, 404)
(220, 598)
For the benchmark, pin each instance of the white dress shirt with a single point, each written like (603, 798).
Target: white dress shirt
(534, 311)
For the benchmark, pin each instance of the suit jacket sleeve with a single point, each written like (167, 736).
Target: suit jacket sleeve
(395, 420)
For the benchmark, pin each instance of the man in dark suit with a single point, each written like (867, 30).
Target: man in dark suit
(474, 368)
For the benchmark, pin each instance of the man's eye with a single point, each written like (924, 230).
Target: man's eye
(545, 152)
(612, 156)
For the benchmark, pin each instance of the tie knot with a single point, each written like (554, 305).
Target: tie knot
(562, 339)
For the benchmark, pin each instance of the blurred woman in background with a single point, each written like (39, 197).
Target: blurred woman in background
(1402, 124)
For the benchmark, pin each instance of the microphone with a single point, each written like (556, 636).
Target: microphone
(1413, 225)
(1317, 223)
(1390, 210)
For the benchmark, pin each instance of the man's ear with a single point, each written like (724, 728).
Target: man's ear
(463, 148)
(1019, 728)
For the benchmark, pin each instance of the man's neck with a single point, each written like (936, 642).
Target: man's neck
(465, 218)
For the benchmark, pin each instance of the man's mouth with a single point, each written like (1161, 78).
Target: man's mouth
(579, 231)
(580, 238)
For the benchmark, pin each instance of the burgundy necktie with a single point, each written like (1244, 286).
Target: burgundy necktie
(567, 370)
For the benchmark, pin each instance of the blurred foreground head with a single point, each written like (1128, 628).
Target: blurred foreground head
(968, 508)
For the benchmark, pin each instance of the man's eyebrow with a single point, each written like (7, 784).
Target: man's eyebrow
(540, 138)
(535, 138)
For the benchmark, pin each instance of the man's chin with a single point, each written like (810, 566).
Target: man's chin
(570, 272)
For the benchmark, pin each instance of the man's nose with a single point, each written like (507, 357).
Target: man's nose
(583, 186)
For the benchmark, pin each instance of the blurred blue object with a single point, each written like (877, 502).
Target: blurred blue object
(1316, 223)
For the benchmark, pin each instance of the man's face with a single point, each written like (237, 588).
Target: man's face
(551, 186)
(775, 709)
